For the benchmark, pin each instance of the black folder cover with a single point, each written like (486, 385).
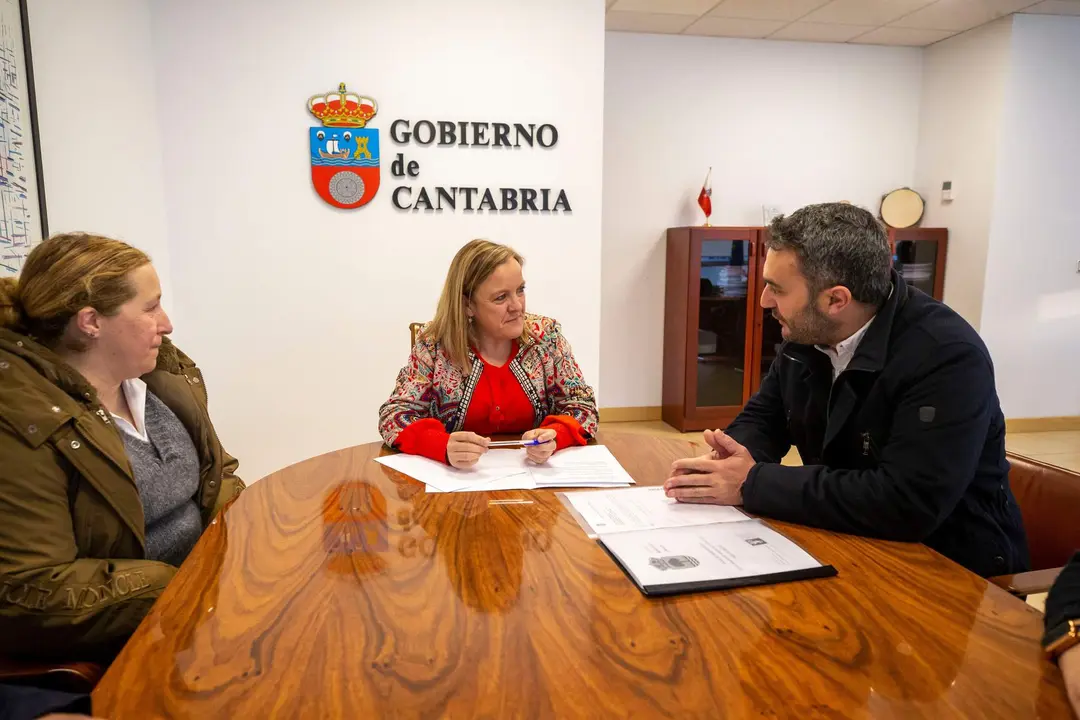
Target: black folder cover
(682, 588)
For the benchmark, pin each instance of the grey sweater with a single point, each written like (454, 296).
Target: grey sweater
(167, 476)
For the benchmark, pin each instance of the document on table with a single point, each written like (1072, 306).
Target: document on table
(670, 561)
(646, 508)
(588, 466)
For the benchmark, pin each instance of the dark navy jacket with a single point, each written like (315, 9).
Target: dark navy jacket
(908, 444)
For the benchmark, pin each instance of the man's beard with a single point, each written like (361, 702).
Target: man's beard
(809, 327)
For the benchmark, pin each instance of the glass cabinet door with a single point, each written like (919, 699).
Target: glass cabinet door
(722, 313)
(919, 257)
(916, 261)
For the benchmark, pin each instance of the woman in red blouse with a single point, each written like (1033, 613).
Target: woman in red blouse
(484, 366)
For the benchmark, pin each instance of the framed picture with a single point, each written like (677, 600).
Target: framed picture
(23, 221)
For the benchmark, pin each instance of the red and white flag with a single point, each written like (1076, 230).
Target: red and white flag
(704, 198)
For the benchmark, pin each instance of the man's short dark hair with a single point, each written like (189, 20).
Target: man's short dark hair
(837, 244)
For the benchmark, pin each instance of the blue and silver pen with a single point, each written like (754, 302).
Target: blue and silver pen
(518, 443)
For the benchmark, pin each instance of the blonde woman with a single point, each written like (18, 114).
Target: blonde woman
(483, 366)
(111, 467)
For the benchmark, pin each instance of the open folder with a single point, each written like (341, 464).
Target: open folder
(669, 548)
(671, 561)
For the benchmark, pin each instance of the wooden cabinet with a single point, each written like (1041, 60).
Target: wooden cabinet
(919, 257)
(718, 340)
(710, 311)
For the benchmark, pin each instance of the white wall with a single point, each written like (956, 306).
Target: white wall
(784, 124)
(962, 100)
(298, 312)
(1031, 303)
(189, 141)
(97, 120)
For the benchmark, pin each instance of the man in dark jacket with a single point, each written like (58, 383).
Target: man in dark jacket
(1062, 637)
(888, 395)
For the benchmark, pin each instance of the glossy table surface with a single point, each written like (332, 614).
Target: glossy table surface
(339, 588)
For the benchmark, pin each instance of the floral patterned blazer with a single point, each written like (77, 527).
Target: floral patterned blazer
(431, 386)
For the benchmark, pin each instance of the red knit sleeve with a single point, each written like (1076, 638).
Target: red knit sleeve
(426, 437)
(568, 431)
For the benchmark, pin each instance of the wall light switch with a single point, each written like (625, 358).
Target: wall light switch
(946, 191)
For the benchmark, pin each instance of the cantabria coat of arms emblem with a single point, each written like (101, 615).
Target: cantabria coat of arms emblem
(344, 151)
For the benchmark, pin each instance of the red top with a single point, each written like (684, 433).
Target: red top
(499, 405)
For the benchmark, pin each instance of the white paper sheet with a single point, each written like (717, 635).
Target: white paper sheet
(587, 466)
(447, 479)
(646, 508)
(506, 469)
(521, 481)
(719, 551)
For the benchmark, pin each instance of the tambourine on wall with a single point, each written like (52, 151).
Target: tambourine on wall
(918, 252)
(901, 208)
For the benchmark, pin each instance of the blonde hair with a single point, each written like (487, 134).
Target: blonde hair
(472, 265)
(63, 275)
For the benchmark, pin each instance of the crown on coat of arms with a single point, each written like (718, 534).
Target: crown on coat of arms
(342, 109)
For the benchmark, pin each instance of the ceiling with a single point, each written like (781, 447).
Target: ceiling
(874, 22)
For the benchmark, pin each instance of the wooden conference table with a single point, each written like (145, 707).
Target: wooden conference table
(339, 588)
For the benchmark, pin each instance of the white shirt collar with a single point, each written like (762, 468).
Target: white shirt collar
(840, 354)
(135, 394)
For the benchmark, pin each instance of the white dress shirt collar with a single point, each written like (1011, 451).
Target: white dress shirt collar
(840, 354)
(135, 393)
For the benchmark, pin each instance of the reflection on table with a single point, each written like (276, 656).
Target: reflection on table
(339, 588)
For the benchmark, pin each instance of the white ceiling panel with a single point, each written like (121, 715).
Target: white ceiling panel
(766, 9)
(697, 8)
(864, 12)
(960, 15)
(734, 27)
(1055, 7)
(902, 36)
(647, 22)
(880, 22)
(819, 32)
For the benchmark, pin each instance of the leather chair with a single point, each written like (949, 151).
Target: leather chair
(74, 677)
(1049, 499)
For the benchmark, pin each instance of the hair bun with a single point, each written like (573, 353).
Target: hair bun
(11, 311)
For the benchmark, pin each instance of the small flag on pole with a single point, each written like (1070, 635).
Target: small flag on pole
(704, 198)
